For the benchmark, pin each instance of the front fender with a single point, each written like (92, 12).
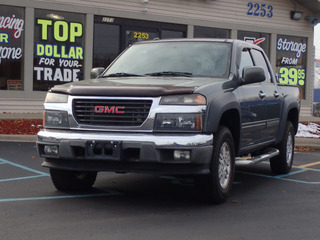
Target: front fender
(217, 107)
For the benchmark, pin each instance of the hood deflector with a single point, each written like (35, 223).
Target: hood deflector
(123, 91)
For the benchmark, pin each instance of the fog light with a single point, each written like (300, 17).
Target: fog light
(51, 150)
(181, 155)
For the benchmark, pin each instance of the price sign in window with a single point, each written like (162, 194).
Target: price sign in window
(291, 61)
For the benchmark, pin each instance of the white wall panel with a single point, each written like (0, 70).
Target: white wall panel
(13, 105)
(212, 12)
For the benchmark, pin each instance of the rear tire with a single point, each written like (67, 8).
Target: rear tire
(72, 180)
(282, 163)
(218, 184)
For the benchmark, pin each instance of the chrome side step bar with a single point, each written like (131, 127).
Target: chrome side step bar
(270, 152)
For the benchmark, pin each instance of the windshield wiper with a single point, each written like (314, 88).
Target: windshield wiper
(121, 74)
(170, 73)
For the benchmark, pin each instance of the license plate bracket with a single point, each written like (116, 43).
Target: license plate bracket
(105, 150)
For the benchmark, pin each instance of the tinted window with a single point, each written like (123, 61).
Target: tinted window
(207, 32)
(106, 44)
(246, 61)
(112, 35)
(165, 34)
(260, 61)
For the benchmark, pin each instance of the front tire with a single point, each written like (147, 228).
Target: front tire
(72, 180)
(282, 163)
(218, 184)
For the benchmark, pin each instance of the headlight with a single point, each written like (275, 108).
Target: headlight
(191, 99)
(56, 119)
(178, 122)
(56, 98)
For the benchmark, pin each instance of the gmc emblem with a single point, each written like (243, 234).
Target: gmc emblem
(109, 109)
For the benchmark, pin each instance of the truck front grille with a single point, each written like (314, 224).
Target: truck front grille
(106, 112)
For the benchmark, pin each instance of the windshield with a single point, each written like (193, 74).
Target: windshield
(200, 59)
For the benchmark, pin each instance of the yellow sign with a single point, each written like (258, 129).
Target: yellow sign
(140, 35)
(56, 51)
(70, 31)
(292, 76)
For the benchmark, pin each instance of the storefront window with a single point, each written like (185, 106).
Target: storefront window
(207, 32)
(103, 53)
(59, 48)
(166, 34)
(261, 39)
(11, 47)
(316, 90)
(112, 35)
(292, 61)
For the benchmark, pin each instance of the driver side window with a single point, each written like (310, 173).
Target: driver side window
(246, 61)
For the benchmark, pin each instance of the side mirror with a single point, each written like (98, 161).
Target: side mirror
(95, 72)
(253, 75)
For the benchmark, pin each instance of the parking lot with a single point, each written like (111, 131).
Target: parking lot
(133, 206)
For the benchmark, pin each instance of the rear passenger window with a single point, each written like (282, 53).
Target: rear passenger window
(246, 61)
(261, 62)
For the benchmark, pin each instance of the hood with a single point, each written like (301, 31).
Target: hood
(132, 86)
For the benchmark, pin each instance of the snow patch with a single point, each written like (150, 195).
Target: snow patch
(309, 130)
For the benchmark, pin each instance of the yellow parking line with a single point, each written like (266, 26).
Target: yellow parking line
(309, 165)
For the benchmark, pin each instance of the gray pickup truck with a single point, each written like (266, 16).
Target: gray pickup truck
(195, 107)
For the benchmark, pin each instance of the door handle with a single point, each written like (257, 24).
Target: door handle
(262, 94)
(276, 94)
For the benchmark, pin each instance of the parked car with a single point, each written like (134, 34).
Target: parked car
(180, 107)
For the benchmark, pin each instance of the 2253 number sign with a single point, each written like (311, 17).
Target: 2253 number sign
(141, 35)
(262, 10)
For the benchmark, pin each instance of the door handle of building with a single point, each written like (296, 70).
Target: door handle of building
(262, 94)
(276, 94)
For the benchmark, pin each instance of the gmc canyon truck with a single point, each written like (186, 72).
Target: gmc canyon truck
(195, 107)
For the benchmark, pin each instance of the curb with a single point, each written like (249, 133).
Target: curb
(313, 143)
(17, 138)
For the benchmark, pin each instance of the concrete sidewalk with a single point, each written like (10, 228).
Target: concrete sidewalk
(17, 138)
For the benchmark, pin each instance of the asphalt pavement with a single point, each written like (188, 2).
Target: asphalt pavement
(137, 206)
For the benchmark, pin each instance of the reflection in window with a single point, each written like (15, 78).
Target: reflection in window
(246, 61)
(260, 61)
(261, 39)
(196, 58)
(165, 34)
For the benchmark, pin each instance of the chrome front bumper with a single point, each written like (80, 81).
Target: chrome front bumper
(127, 152)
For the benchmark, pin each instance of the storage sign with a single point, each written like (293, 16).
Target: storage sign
(292, 68)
